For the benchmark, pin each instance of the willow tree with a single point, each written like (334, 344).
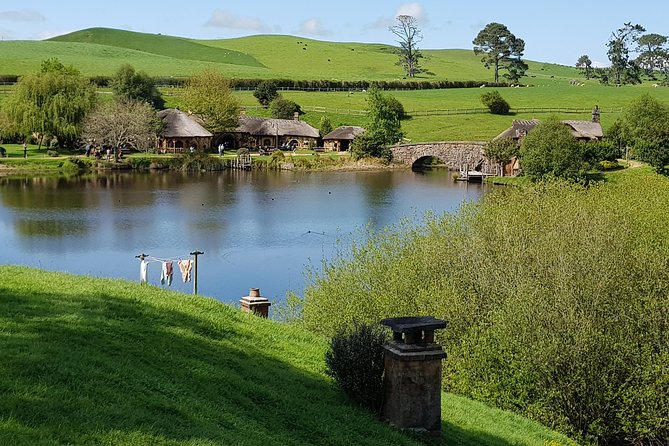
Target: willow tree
(52, 102)
(209, 96)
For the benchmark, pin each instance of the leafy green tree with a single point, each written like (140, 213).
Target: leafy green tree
(653, 54)
(644, 127)
(208, 95)
(502, 150)
(551, 151)
(501, 50)
(120, 123)
(409, 36)
(326, 125)
(623, 70)
(495, 103)
(383, 130)
(51, 103)
(282, 108)
(266, 92)
(127, 83)
(585, 64)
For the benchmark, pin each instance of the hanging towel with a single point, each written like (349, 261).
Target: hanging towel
(166, 273)
(169, 270)
(185, 267)
(143, 271)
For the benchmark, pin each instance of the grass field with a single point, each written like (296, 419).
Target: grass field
(100, 51)
(101, 361)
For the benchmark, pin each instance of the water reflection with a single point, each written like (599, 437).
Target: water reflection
(257, 229)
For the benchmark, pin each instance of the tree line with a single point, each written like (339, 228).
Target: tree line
(652, 57)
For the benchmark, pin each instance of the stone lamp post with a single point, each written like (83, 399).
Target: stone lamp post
(412, 382)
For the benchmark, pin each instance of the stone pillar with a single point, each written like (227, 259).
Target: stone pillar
(412, 381)
(255, 303)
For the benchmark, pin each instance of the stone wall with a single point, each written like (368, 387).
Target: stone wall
(455, 154)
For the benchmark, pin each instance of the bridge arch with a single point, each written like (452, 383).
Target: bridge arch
(455, 154)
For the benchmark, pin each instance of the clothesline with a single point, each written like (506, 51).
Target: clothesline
(167, 268)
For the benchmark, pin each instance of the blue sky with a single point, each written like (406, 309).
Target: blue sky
(556, 32)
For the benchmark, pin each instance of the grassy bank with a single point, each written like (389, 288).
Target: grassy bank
(99, 361)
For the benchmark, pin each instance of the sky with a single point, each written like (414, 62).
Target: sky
(556, 31)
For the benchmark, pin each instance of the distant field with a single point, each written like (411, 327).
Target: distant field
(100, 51)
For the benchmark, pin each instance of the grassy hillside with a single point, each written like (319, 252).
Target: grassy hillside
(100, 51)
(174, 47)
(99, 361)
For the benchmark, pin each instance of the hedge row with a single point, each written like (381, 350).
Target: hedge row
(291, 84)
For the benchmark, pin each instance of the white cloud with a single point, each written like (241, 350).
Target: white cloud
(315, 27)
(598, 64)
(225, 19)
(25, 15)
(415, 10)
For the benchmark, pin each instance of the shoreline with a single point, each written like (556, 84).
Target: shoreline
(73, 165)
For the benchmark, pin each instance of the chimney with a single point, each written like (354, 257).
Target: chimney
(595, 114)
(412, 379)
(255, 303)
(296, 116)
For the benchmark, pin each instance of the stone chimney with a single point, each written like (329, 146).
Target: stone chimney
(296, 116)
(412, 380)
(255, 303)
(595, 114)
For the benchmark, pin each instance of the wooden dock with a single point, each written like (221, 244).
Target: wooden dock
(473, 176)
(241, 162)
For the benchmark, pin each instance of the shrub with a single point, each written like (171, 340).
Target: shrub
(555, 296)
(275, 158)
(266, 92)
(355, 361)
(550, 150)
(242, 151)
(495, 103)
(608, 165)
(282, 108)
(53, 153)
(3, 152)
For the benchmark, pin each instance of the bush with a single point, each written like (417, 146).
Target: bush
(551, 151)
(3, 152)
(282, 108)
(53, 153)
(355, 361)
(276, 158)
(555, 294)
(265, 93)
(495, 103)
(608, 165)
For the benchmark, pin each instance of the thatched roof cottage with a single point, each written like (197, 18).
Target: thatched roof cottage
(340, 138)
(254, 132)
(582, 130)
(182, 131)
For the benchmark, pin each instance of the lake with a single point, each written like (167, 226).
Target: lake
(256, 229)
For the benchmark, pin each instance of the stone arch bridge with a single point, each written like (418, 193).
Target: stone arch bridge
(457, 155)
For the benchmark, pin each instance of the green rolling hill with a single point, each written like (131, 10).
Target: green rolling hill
(100, 51)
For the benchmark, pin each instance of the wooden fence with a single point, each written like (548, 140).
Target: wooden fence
(453, 111)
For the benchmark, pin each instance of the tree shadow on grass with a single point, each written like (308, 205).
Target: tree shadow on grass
(124, 364)
(98, 369)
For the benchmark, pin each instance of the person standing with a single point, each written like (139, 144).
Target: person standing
(25, 150)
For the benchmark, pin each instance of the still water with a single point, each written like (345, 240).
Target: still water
(256, 229)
